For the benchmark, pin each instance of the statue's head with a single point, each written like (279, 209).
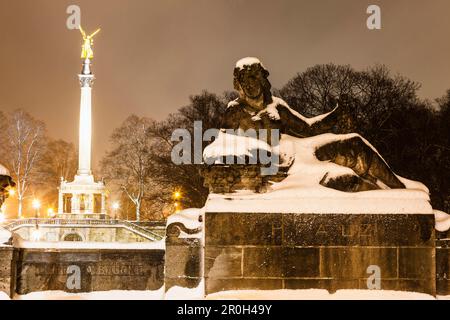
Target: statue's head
(6, 182)
(251, 80)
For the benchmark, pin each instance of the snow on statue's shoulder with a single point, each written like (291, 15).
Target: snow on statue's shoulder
(233, 103)
(248, 61)
(4, 171)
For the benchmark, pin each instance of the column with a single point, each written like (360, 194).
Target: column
(75, 203)
(85, 135)
(60, 202)
(90, 203)
(103, 205)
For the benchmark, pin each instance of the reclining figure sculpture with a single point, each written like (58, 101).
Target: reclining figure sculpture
(256, 108)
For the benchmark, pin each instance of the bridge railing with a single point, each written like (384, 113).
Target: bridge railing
(13, 225)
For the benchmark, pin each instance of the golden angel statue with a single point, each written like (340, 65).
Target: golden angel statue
(88, 42)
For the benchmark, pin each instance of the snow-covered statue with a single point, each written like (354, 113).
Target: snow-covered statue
(314, 155)
(5, 183)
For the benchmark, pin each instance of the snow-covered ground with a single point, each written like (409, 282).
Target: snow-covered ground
(3, 296)
(318, 294)
(98, 295)
(177, 293)
(180, 293)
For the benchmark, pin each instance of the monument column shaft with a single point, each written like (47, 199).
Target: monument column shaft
(84, 162)
(85, 134)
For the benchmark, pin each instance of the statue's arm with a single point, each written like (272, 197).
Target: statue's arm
(313, 126)
(296, 126)
(82, 32)
(340, 118)
(94, 33)
(322, 124)
(230, 119)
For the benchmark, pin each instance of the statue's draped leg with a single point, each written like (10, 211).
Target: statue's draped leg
(354, 153)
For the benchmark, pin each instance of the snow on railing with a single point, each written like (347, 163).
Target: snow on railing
(80, 222)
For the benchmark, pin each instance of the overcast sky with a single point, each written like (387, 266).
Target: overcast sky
(152, 54)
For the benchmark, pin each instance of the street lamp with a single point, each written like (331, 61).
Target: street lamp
(177, 195)
(36, 206)
(51, 213)
(177, 207)
(36, 234)
(115, 207)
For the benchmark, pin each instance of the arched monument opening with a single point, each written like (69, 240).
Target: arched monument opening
(73, 237)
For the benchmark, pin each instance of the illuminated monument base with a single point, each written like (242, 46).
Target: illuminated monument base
(83, 197)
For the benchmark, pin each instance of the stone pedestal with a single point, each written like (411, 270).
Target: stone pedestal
(443, 263)
(183, 257)
(7, 275)
(267, 251)
(231, 178)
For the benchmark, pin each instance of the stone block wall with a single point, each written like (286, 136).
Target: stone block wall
(183, 259)
(99, 270)
(443, 264)
(326, 251)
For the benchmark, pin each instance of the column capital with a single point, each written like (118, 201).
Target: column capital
(86, 80)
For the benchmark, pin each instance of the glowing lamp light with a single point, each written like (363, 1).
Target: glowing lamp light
(50, 212)
(177, 195)
(115, 206)
(11, 192)
(177, 207)
(36, 204)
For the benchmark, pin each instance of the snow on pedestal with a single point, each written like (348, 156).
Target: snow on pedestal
(442, 221)
(5, 236)
(190, 219)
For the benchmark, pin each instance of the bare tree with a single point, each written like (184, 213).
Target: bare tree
(208, 108)
(127, 166)
(59, 161)
(24, 146)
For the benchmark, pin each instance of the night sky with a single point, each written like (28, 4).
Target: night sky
(151, 55)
